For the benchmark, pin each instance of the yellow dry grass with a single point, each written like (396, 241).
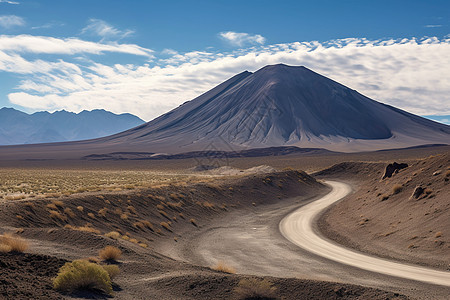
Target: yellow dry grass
(21, 183)
(224, 268)
(86, 228)
(12, 243)
(113, 235)
(110, 253)
(56, 215)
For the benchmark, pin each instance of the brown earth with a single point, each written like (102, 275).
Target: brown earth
(384, 218)
(146, 274)
(28, 276)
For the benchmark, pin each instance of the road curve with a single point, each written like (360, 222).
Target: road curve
(297, 227)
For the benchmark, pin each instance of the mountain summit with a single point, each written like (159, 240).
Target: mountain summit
(278, 105)
(282, 105)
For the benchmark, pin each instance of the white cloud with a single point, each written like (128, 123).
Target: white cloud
(9, 21)
(49, 45)
(105, 30)
(433, 26)
(241, 38)
(48, 25)
(169, 52)
(410, 74)
(9, 2)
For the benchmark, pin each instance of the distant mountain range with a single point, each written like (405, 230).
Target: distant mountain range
(275, 107)
(17, 127)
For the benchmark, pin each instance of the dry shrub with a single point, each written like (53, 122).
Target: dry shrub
(222, 267)
(193, 221)
(113, 234)
(143, 245)
(81, 274)
(5, 248)
(208, 204)
(166, 226)
(148, 224)
(118, 211)
(253, 288)
(85, 228)
(397, 188)
(69, 212)
(124, 216)
(102, 212)
(175, 205)
(125, 237)
(164, 214)
(13, 243)
(110, 253)
(91, 215)
(51, 206)
(54, 214)
(160, 207)
(19, 217)
(139, 225)
(131, 209)
(92, 259)
(438, 234)
(88, 229)
(58, 203)
(447, 173)
(80, 208)
(134, 241)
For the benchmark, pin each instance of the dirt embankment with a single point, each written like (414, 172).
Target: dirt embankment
(404, 217)
(151, 214)
(77, 227)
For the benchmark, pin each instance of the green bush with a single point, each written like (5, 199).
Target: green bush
(81, 274)
(112, 270)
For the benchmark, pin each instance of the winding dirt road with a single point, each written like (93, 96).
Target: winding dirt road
(249, 239)
(298, 227)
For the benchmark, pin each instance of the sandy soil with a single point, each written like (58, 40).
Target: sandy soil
(148, 271)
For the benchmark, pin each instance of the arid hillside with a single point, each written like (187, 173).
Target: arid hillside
(405, 216)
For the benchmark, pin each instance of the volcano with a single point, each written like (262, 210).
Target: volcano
(278, 105)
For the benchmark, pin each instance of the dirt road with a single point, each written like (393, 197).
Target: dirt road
(298, 227)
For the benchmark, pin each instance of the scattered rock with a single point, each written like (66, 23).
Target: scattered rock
(393, 169)
(418, 191)
(437, 173)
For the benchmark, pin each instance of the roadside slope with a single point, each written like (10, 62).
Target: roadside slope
(384, 217)
(298, 227)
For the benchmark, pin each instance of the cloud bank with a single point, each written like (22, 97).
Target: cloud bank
(412, 74)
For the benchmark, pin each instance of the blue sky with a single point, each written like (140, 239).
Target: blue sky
(146, 57)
